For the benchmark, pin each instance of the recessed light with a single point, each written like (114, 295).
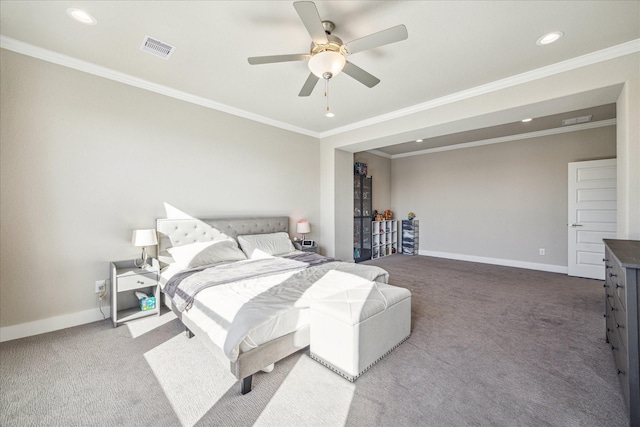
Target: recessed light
(549, 38)
(419, 140)
(82, 16)
(526, 120)
(329, 114)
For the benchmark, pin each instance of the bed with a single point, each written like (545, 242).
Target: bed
(250, 311)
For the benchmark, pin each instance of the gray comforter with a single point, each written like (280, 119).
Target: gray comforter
(183, 287)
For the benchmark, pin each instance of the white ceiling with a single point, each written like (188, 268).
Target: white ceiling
(453, 46)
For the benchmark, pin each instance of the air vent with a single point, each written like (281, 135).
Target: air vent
(576, 120)
(156, 47)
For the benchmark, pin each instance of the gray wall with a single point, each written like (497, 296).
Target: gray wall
(501, 201)
(85, 160)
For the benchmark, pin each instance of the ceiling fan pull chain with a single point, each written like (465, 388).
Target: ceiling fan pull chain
(326, 95)
(326, 92)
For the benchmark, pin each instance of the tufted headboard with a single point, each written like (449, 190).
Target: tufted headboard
(178, 232)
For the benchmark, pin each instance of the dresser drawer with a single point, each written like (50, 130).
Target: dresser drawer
(136, 281)
(622, 367)
(619, 325)
(610, 320)
(608, 265)
(617, 284)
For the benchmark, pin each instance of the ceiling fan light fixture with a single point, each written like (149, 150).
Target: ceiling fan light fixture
(327, 62)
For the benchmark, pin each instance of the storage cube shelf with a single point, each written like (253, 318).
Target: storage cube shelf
(384, 238)
(410, 237)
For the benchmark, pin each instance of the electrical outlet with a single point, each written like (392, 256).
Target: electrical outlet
(100, 286)
(541, 251)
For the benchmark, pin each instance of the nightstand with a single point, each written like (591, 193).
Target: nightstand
(126, 279)
(299, 247)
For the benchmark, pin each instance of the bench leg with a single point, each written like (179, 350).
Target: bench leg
(188, 332)
(245, 384)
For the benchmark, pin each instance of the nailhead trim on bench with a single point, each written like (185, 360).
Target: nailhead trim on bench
(352, 378)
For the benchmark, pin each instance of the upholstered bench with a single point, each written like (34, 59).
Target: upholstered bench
(353, 329)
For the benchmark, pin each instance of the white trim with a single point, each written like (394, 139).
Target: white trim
(42, 326)
(497, 261)
(627, 48)
(380, 153)
(98, 70)
(623, 49)
(517, 137)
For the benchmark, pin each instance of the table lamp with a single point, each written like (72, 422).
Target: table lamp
(144, 238)
(303, 228)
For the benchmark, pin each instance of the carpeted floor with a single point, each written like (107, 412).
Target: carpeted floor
(490, 346)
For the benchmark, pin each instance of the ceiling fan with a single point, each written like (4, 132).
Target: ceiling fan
(327, 56)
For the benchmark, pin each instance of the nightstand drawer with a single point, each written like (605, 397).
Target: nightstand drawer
(137, 281)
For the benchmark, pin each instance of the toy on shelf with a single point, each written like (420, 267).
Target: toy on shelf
(360, 168)
(411, 216)
(388, 215)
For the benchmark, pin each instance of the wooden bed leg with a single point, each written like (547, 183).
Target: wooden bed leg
(188, 332)
(245, 384)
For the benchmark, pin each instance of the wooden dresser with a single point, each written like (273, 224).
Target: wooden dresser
(622, 279)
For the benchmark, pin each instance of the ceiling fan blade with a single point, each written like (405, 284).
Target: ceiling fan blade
(311, 19)
(308, 86)
(381, 38)
(255, 60)
(360, 75)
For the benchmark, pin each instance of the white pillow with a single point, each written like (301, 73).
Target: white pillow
(205, 253)
(261, 245)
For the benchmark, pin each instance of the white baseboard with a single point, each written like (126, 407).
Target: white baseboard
(42, 326)
(498, 261)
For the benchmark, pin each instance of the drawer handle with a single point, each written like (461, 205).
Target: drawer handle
(614, 348)
(620, 372)
(613, 309)
(613, 275)
(618, 325)
(605, 315)
(619, 286)
(140, 282)
(605, 260)
(605, 286)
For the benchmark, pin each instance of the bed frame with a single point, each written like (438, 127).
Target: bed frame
(178, 232)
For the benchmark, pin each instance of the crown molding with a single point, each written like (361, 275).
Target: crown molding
(613, 52)
(17, 46)
(380, 153)
(108, 73)
(517, 137)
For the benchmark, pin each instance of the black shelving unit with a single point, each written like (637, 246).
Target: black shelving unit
(362, 212)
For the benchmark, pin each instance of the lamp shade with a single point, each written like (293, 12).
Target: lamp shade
(144, 237)
(326, 62)
(303, 227)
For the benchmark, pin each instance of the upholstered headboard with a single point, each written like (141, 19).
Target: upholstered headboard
(178, 232)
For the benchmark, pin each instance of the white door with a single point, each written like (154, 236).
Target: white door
(592, 215)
